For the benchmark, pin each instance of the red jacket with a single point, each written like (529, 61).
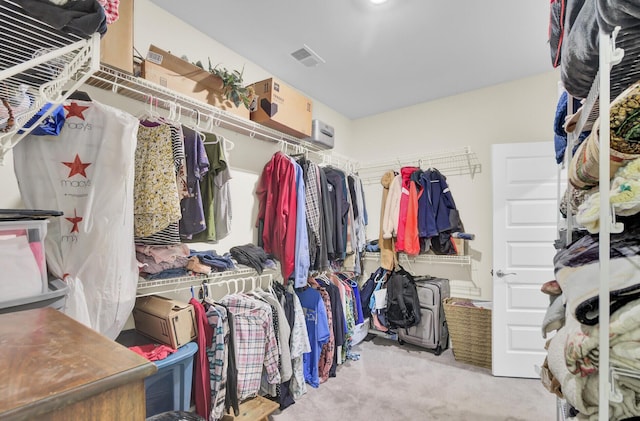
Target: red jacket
(411, 239)
(404, 201)
(276, 192)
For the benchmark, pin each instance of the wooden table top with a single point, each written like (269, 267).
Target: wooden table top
(48, 360)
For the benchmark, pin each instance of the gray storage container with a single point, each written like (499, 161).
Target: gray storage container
(55, 297)
(322, 135)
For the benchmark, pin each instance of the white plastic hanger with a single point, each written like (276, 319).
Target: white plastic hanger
(149, 114)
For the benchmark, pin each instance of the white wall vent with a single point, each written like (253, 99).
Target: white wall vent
(307, 56)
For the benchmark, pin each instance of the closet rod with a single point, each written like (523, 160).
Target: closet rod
(255, 281)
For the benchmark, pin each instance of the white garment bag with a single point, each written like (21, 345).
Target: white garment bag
(87, 172)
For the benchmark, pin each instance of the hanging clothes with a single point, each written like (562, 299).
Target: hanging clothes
(218, 356)
(412, 239)
(338, 193)
(388, 256)
(86, 173)
(391, 210)
(202, 375)
(329, 348)
(301, 270)
(361, 218)
(327, 248)
(277, 216)
(300, 346)
(193, 219)
(337, 319)
(318, 331)
(255, 343)
(156, 197)
(211, 148)
(222, 193)
(438, 203)
(313, 211)
(281, 325)
(405, 173)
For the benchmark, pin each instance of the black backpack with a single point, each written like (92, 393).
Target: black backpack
(403, 306)
(366, 291)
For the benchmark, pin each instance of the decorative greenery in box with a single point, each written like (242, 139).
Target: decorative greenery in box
(232, 84)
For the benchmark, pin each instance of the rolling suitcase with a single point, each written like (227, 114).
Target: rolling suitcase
(432, 331)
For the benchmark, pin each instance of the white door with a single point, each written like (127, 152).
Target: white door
(525, 210)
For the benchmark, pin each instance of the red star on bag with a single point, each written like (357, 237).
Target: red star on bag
(77, 167)
(75, 221)
(75, 110)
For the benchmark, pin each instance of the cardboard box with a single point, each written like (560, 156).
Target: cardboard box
(167, 321)
(116, 46)
(461, 246)
(165, 69)
(282, 108)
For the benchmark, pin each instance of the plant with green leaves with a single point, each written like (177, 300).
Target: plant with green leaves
(233, 87)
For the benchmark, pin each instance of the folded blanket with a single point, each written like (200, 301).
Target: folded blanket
(582, 347)
(568, 381)
(584, 168)
(624, 117)
(578, 273)
(624, 196)
(582, 358)
(573, 198)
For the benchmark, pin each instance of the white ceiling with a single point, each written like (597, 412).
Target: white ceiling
(380, 58)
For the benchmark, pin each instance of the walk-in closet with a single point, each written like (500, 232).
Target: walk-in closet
(395, 209)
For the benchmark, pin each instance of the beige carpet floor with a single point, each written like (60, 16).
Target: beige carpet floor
(391, 382)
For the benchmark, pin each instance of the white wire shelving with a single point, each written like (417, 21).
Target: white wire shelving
(619, 67)
(209, 115)
(425, 258)
(458, 161)
(158, 286)
(38, 65)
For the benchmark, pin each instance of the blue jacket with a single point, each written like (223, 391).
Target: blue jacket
(434, 204)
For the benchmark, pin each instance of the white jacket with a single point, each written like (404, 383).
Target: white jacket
(392, 209)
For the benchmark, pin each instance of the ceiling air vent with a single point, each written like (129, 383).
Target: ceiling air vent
(307, 56)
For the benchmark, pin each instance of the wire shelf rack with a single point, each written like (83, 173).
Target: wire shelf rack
(37, 64)
(459, 161)
(425, 258)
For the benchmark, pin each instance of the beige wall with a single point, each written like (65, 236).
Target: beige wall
(521, 111)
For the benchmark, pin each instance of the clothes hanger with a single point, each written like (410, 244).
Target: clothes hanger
(149, 114)
(196, 127)
(228, 145)
(209, 129)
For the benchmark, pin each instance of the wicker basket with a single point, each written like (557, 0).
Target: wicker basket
(470, 331)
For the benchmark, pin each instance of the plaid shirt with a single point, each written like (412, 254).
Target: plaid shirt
(218, 357)
(255, 342)
(110, 9)
(312, 200)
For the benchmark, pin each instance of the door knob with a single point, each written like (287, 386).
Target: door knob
(501, 274)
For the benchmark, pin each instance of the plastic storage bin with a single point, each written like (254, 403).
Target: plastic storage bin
(360, 332)
(56, 297)
(170, 388)
(22, 259)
